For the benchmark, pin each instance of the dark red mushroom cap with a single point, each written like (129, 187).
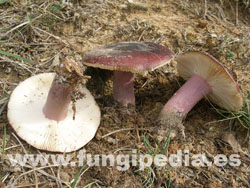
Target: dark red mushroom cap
(136, 57)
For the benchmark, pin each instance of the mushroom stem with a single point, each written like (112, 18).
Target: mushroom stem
(123, 88)
(187, 96)
(58, 100)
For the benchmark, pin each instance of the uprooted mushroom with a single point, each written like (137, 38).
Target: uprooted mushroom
(55, 112)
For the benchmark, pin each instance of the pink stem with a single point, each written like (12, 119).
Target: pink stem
(187, 96)
(58, 100)
(123, 87)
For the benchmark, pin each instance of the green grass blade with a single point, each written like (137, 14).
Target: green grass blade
(169, 177)
(242, 116)
(88, 185)
(148, 180)
(3, 2)
(77, 177)
(167, 141)
(15, 56)
(147, 145)
(4, 100)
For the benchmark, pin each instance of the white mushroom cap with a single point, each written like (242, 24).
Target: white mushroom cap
(225, 91)
(26, 116)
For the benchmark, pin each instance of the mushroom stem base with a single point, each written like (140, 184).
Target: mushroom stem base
(58, 100)
(187, 96)
(170, 124)
(123, 88)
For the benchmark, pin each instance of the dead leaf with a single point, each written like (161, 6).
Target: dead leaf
(56, 61)
(230, 139)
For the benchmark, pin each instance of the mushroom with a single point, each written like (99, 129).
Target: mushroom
(126, 59)
(206, 77)
(41, 112)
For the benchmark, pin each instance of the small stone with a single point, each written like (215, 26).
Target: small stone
(111, 140)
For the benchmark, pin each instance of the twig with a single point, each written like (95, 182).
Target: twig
(36, 179)
(142, 33)
(11, 147)
(54, 36)
(116, 131)
(33, 168)
(30, 185)
(24, 66)
(58, 175)
(50, 59)
(5, 177)
(53, 173)
(236, 12)
(81, 175)
(11, 185)
(20, 25)
(205, 9)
